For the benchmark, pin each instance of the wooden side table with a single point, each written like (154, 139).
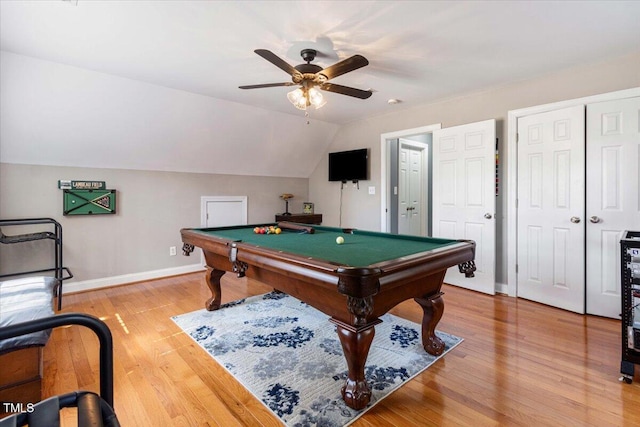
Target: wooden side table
(301, 218)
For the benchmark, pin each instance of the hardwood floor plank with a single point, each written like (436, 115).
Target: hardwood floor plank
(521, 364)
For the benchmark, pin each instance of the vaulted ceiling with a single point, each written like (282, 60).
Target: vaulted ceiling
(419, 51)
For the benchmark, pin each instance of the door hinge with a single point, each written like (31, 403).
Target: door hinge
(517, 137)
(516, 268)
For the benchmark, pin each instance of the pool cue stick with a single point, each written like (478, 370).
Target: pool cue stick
(285, 225)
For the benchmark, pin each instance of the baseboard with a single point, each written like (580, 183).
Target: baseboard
(105, 282)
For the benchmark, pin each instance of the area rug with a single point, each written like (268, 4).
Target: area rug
(288, 355)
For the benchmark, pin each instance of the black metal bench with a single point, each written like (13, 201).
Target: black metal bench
(60, 271)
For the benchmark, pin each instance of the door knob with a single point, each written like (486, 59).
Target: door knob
(575, 219)
(594, 219)
(487, 215)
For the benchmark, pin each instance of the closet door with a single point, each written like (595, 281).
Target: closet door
(551, 204)
(613, 203)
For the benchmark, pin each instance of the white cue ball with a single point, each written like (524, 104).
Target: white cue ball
(339, 240)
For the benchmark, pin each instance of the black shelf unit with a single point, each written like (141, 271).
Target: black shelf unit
(630, 264)
(60, 271)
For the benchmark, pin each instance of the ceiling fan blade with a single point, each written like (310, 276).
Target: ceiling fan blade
(344, 66)
(277, 61)
(345, 90)
(267, 85)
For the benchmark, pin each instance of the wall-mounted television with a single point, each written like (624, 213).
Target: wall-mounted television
(350, 165)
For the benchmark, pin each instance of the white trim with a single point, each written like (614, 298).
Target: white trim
(384, 179)
(106, 282)
(502, 288)
(512, 167)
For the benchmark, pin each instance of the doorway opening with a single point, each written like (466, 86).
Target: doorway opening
(406, 181)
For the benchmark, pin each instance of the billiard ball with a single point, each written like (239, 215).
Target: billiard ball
(339, 240)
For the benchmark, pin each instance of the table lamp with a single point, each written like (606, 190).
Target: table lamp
(286, 197)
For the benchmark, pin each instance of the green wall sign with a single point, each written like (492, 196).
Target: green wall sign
(89, 202)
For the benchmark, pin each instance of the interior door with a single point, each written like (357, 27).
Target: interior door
(464, 196)
(613, 204)
(410, 191)
(551, 203)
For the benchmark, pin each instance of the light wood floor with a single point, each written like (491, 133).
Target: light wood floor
(521, 364)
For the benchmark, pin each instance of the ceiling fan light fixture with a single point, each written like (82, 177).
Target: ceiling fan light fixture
(298, 99)
(315, 98)
(295, 95)
(301, 98)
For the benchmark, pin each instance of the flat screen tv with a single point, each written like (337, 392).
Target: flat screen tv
(350, 165)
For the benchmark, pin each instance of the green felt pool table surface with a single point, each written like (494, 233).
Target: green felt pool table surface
(360, 248)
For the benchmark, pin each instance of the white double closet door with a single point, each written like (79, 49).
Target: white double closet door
(578, 186)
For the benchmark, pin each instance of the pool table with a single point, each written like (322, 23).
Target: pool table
(354, 283)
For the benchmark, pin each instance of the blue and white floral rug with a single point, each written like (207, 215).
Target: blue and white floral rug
(288, 355)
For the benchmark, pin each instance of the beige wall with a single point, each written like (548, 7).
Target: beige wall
(152, 207)
(361, 210)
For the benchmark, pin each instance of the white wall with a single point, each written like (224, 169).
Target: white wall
(55, 114)
(361, 210)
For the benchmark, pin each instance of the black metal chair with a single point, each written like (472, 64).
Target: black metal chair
(93, 410)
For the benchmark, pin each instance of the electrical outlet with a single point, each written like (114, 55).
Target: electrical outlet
(172, 251)
(372, 190)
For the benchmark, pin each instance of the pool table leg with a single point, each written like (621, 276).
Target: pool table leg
(433, 307)
(355, 344)
(212, 279)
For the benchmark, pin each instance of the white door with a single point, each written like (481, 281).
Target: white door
(613, 204)
(550, 266)
(464, 196)
(222, 211)
(410, 191)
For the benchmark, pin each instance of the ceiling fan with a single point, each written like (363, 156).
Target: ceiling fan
(311, 77)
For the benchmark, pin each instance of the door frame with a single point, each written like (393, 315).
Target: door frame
(385, 200)
(512, 168)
